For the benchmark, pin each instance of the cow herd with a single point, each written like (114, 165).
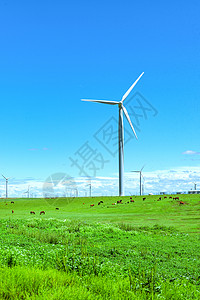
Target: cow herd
(41, 213)
(174, 198)
(118, 202)
(31, 212)
(144, 198)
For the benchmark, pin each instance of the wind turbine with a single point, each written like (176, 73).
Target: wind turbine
(90, 187)
(122, 110)
(143, 185)
(28, 192)
(6, 185)
(195, 186)
(140, 179)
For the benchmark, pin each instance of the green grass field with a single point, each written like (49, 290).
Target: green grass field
(142, 250)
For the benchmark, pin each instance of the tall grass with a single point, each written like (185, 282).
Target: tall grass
(31, 283)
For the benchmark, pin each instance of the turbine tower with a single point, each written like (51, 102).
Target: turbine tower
(140, 179)
(143, 185)
(122, 110)
(28, 192)
(6, 185)
(90, 189)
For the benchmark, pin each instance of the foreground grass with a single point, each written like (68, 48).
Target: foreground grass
(134, 250)
(26, 283)
(78, 260)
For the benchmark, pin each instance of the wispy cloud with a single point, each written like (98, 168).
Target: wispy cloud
(191, 152)
(38, 149)
(33, 149)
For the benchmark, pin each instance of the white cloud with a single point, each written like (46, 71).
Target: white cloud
(191, 152)
(174, 180)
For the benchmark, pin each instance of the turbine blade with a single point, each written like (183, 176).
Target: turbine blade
(129, 120)
(3, 176)
(136, 171)
(130, 89)
(101, 101)
(142, 168)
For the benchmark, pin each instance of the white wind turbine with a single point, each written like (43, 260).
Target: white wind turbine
(6, 184)
(28, 192)
(90, 187)
(120, 131)
(140, 179)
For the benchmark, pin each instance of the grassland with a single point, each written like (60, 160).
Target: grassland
(143, 250)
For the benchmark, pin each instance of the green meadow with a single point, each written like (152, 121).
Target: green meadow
(146, 249)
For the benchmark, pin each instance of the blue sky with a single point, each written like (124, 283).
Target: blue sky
(53, 54)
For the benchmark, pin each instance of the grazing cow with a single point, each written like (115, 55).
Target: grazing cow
(42, 212)
(99, 203)
(130, 197)
(128, 202)
(176, 198)
(119, 201)
(32, 212)
(160, 198)
(144, 199)
(170, 197)
(91, 205)
(165, 197)
(132, 201)
(57, 208)
(83, 203)
(181, 202)
(12, 202)
(12, 211)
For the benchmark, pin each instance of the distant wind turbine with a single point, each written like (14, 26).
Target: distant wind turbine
(28, 192)
(140, 179)
(90, 189)
(6, 185)
(143, 185)
(120, 131)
